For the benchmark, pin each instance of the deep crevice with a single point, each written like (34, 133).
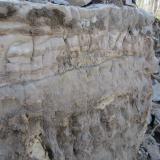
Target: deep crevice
(50, 153)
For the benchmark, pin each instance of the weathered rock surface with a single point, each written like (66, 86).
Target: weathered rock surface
(64, 2)
(79, 2)
(156, 28)
(150, 148)
(74, 82)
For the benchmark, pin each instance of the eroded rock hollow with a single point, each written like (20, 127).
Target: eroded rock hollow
(74, 82)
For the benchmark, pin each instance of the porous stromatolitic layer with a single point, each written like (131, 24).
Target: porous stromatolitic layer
(74, 82)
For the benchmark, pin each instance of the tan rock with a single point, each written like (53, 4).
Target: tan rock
(79, 2)
(74, 82)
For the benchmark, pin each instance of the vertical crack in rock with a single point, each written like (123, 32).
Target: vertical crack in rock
(47, 149)
(33, 50)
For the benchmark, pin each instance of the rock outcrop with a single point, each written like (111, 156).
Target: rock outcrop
(74, 82)
(150, 148)
(79, 2)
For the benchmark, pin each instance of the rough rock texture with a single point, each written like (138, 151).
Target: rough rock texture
(61, 2)
(79, 2)
(156, 27)
(74, 82)
(150, 148)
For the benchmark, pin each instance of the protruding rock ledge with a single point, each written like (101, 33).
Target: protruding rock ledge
(54, 39)
(100, 16)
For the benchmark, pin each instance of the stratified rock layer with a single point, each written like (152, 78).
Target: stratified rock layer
(74, 82)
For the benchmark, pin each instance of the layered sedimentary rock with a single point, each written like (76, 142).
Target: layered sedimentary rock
(74, 82)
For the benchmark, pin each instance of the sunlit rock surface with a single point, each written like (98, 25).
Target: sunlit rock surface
(79, 2)
(149, 149)
(74, 82)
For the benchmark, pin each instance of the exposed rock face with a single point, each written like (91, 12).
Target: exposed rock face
(156, 27)
(150, 148)
(79, 2)
(74, 82)
(63, 2)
